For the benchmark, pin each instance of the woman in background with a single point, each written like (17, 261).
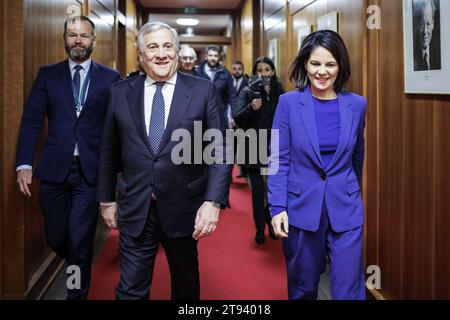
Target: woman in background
(255, 110)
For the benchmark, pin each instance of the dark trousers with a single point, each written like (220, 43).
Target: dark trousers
(70, 216)
(261, 213)
(137, 260)
(305, 260)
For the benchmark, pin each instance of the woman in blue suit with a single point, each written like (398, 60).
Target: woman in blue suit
(316, 163)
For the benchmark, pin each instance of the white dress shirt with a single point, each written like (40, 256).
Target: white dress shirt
(83, 73)
(210, 72)
(149, 91)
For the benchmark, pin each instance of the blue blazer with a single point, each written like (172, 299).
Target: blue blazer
(180, 188)
(301, 183)
(51, 96)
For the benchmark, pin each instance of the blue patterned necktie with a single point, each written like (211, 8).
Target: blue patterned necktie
(77, 78)
(157, 119)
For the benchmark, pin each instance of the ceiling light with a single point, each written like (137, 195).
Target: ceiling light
(187, 22)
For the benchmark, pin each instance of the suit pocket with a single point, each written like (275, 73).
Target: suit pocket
(294, 188)
(352, 187)
(198, 185)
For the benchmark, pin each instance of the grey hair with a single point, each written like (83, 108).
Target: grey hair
(423, 4)
(150, 27)
(187, 51)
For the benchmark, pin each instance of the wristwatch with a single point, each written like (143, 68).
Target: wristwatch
(215, 204)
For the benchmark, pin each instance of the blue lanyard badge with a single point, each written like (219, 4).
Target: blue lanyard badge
(80, 97)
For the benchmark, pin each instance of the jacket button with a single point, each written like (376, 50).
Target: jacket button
(155, 160)
(323, 175)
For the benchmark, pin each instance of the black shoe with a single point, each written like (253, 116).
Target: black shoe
(272, 233)
(260, 238)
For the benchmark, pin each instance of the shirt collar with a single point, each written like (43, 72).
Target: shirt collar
(85, 64)
(172, 80)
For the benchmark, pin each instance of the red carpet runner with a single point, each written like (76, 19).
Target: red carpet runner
(232, 265)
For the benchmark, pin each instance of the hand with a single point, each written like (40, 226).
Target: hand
(109, 215)
(206, 220)
(256, 104)
(24, 177)
(280, 224)
(232, 123)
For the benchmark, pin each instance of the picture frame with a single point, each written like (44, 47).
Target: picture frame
(273, 51)
(302, 33)
(426, 48)
(328, 22)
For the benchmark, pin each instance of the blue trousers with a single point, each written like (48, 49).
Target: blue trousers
(305, 260)
(70, 216)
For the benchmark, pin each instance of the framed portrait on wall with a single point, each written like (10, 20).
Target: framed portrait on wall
(328, 22)
(426, 46)
(302, 33)
(273, 51)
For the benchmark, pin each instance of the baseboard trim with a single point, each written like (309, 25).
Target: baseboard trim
(44, 277)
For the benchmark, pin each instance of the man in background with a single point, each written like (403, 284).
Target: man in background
(212, 70)
(188, 58)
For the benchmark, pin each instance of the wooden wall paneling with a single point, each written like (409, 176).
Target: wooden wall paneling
(246, 35)
(392, 166)
(279, 32)
(371, 181)
(258, 34)
(271, 6)
(108, 4)
(132, 55)
(2, 96)
(441, 187)
(104, 26)
(236, 44)
(12, 270)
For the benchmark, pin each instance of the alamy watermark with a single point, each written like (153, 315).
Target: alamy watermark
(212, 146)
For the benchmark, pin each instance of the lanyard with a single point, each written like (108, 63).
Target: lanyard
(80, 97)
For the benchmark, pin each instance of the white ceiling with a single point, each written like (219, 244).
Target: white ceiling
(210, 24)
(200, 4)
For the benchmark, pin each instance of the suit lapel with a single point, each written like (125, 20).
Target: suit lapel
(67, 85)
(182, 97)
(135, 99)
(346, 122)
(309, 122)
(94, 83)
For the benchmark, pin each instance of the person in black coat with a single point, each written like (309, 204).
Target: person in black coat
(212, 70)
(255, 109)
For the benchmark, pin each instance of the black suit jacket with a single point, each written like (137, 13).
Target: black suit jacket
(180, 189)
(434, 59)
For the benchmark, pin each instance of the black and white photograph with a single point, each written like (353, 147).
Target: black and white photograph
(427, 35)
(426, 46)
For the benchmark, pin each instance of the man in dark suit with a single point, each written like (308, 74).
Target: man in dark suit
(160, 201)
(427, 47)
(73, 94)
(240, 79)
